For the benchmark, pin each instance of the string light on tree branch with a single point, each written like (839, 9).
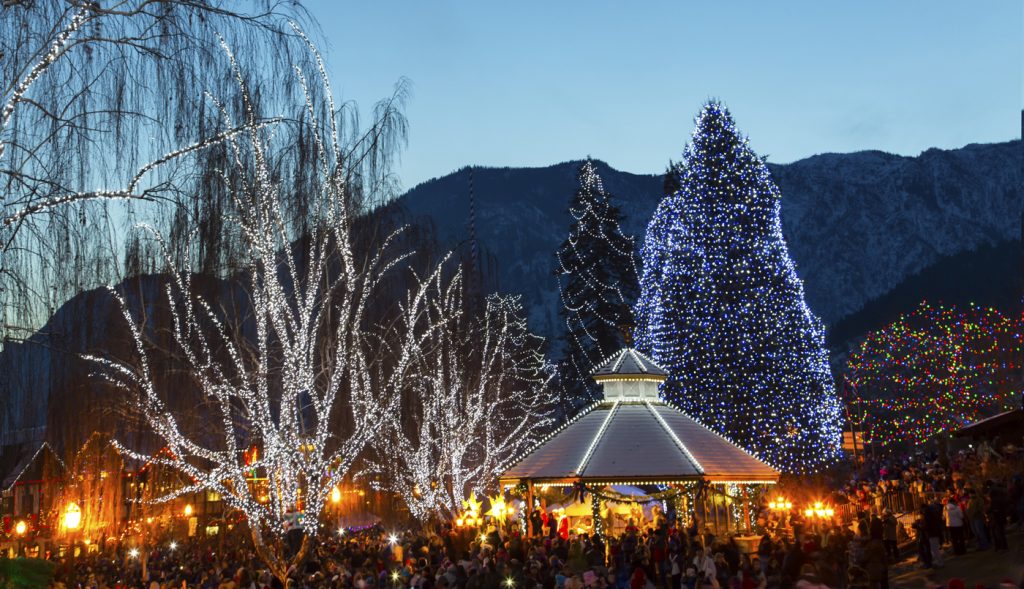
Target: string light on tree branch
(722, 308)
(935, 370)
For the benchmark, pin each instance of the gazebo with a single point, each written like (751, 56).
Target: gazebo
(632, 437)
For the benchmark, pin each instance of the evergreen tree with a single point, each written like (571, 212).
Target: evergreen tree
(597, 281)
(722, 309)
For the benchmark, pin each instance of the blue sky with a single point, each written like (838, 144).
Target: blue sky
(535, 83)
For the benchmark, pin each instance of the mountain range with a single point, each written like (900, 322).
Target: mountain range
(872, 234)
(858, 225)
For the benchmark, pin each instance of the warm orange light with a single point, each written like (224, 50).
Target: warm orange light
(335, 495)
(20, 528)
(459, 522)
(809, 512)
(72, 516)
(188, 510)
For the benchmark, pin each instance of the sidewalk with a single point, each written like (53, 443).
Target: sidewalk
(987, 568)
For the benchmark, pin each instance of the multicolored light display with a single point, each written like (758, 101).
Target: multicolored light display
(722, 309)
(936, 369)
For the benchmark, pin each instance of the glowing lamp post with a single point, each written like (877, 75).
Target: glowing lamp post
(188, 510)
(335, 495)
(819, 513)
(780, 504)
(19, 530)
(72, 516)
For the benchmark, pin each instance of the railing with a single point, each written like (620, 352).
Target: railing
(899, 502)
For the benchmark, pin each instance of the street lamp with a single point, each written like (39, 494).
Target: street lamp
(72, 516)
(188, 510)
(819, 511)
(20, 528)
(335, 495)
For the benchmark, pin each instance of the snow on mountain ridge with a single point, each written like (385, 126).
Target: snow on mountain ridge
(856, 224)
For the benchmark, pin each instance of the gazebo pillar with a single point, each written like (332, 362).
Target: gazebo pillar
(746, 508)
(529, 508)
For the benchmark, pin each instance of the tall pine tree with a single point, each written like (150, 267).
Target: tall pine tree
(722, 308)
(597, 281)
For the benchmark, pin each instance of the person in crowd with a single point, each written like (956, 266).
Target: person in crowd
(954, 518)
(976, 519)
(890, 535)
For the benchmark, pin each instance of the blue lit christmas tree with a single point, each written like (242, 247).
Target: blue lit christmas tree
(722, 309)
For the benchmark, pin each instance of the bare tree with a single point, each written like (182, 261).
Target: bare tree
(304, 375)
(480, 400)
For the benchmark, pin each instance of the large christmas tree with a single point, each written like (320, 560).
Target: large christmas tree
(722, 309)
(597, 281)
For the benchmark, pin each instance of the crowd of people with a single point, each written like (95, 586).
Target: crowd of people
(668, 558)
(962, 502)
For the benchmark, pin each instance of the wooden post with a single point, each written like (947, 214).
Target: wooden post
(746, 509)
(718, 525)
(705, 519)
(528, 514)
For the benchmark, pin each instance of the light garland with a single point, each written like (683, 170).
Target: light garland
(679, 443)
(44, 445)
(596, 282)
(722, 309)
(597, 438)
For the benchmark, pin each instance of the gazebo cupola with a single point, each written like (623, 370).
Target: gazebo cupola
(629, 375)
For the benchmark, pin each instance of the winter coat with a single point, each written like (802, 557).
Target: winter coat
(891, 528)
(954, 516)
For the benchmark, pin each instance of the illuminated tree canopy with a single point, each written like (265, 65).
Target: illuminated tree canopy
(936, 369)
(722, 308)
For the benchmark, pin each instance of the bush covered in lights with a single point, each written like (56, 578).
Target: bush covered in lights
(934, 370)
(722, 309)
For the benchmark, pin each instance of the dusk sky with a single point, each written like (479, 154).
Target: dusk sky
(535, 83)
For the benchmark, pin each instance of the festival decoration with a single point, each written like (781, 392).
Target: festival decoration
(597, 283)
(482, 398)
(934, 370)
(722, 309)
(305, 372)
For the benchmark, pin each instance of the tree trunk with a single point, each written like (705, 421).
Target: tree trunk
(273, 555)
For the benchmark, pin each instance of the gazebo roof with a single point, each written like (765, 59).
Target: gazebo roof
(627, 363)
(638, 441)
(1008, 422)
